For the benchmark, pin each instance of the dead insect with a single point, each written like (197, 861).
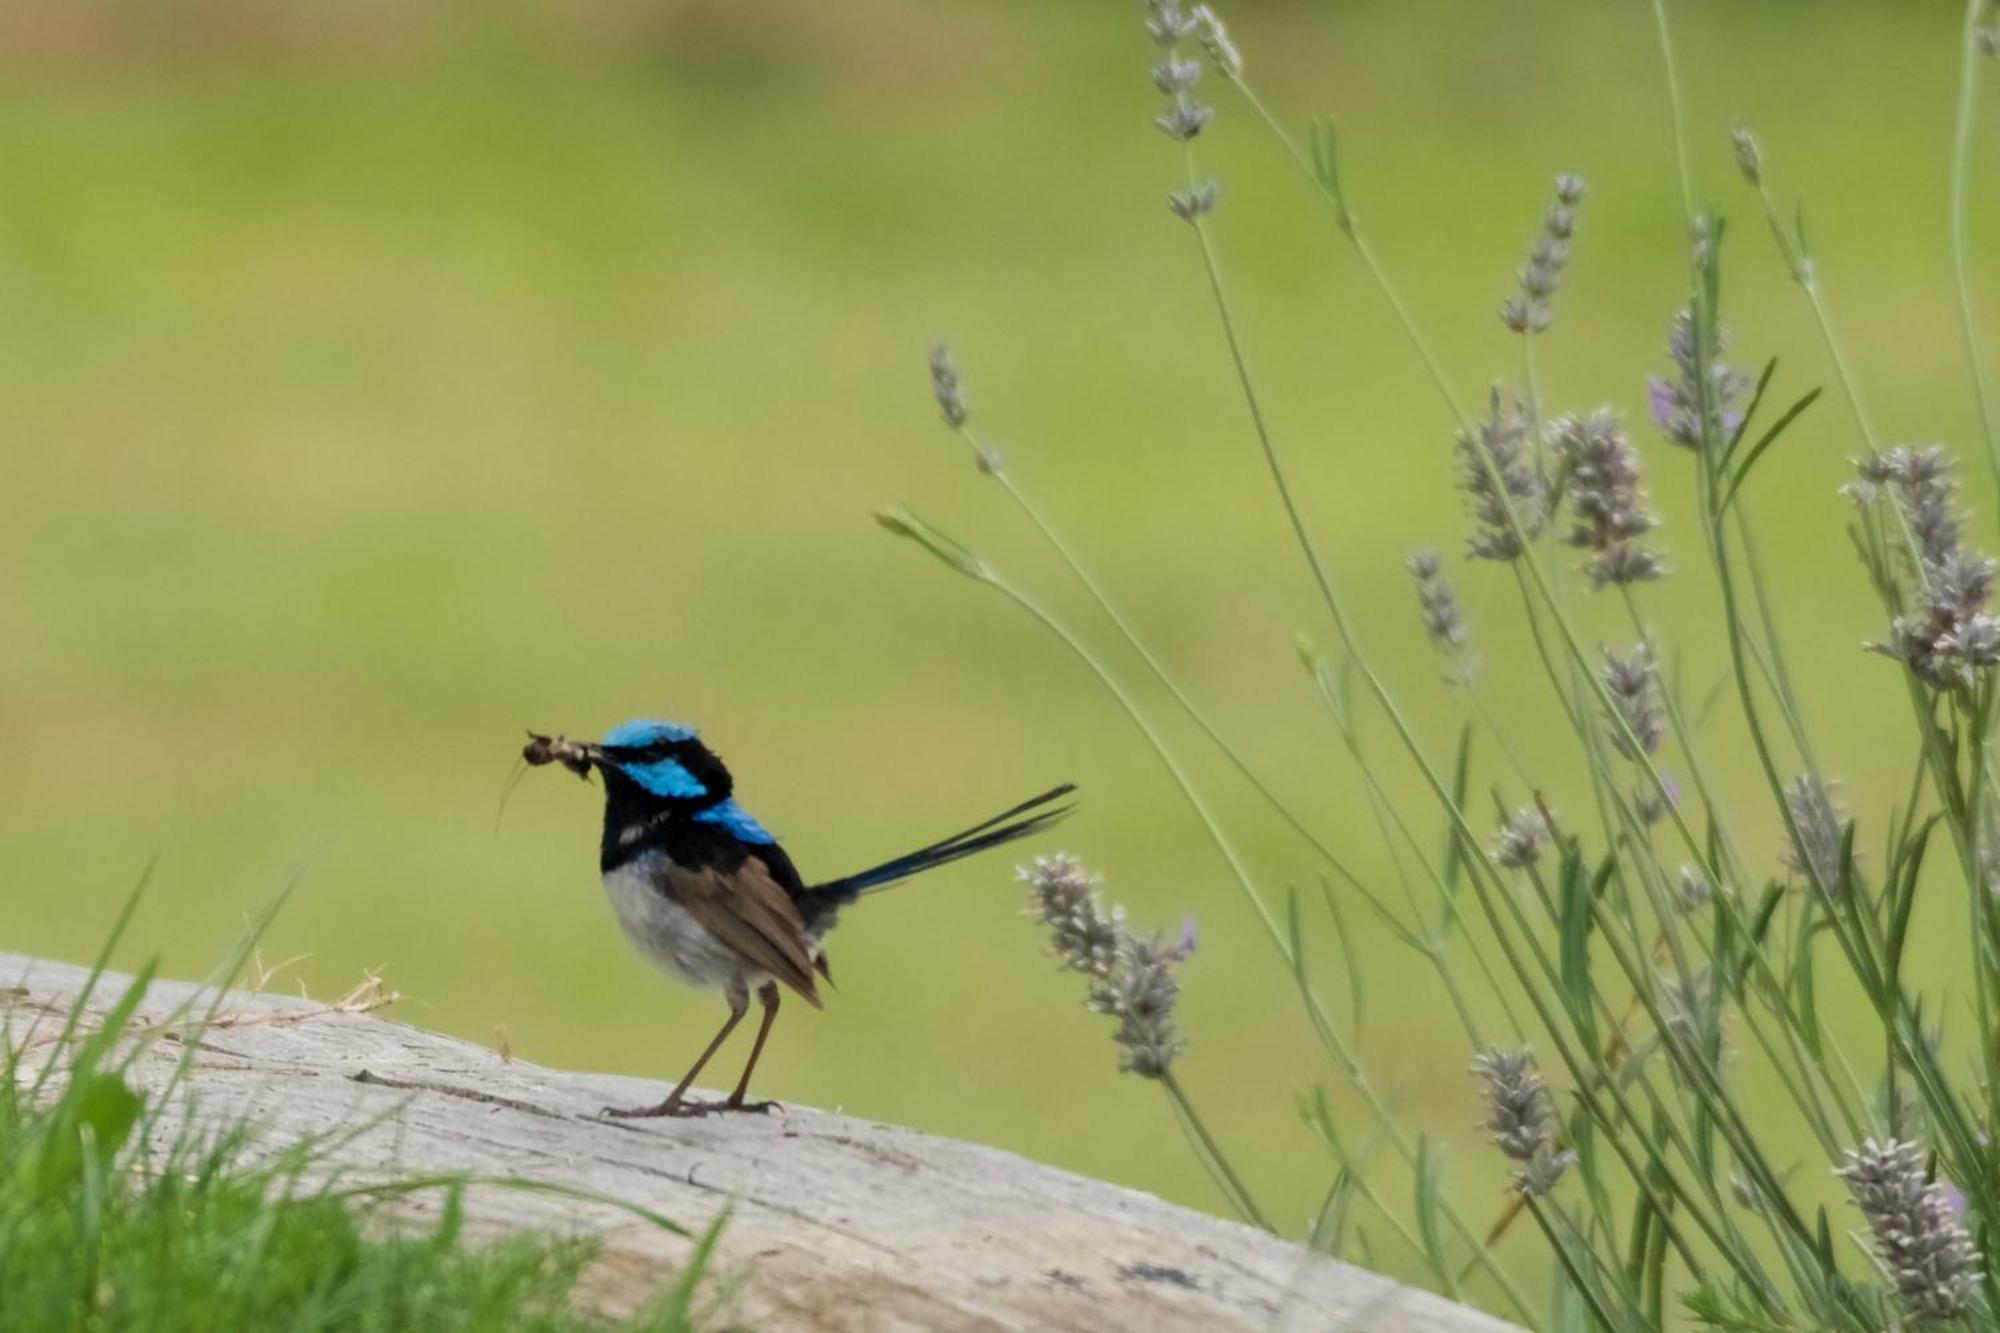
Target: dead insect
(573, 755)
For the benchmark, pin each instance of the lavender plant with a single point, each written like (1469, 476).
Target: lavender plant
(1624, 980)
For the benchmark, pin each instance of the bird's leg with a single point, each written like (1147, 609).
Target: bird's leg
(767, 995)
(739, 1005)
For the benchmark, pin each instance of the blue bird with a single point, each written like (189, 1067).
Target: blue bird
(706, 893)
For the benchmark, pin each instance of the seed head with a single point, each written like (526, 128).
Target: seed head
(1918, 1225)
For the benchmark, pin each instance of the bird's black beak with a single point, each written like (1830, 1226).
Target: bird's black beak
(576, 756)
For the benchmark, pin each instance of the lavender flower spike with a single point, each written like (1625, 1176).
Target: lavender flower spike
(1951, 636)
(945, 386)
(1444, 623)
(1678, 402)
(1084, 934)
(1629, 680)
(1609, 505)
(1133, 978)
(1919, 1229)
(1165, 23)
(1822, 831)
(1528, 310)
(1521, 1118)
(1210, 31)
(1501, 446)
(1518, 844)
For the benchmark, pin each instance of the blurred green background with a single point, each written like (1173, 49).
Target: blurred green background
(383, 379)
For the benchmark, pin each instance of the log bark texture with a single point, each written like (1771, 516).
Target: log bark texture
(836, 1224)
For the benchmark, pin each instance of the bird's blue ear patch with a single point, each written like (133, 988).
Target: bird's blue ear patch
(665, 777)
(641, 732)
(737, 821)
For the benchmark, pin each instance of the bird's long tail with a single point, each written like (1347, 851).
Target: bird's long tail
(1031, 816)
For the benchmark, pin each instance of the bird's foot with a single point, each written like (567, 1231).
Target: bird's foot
(685, 1110)
(669, 1107)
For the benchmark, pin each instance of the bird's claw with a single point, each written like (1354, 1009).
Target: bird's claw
(685, 1110)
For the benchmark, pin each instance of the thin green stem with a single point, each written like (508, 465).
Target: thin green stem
(1211, 1152)
(1961, 262)
(1684, 165)
(1316, 1009)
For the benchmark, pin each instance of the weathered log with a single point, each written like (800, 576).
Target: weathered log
(836, 1223)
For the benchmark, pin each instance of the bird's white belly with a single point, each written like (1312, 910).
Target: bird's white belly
(668, 935)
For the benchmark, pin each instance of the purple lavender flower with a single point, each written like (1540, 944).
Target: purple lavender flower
(1634, 689)
(1501, 447)
(1606, 499)
(1678, 402)
(1132, 977)
(1444, 623)
(1919, 1229)
(1950, 637)
(1521, 1118)
(1528, 310)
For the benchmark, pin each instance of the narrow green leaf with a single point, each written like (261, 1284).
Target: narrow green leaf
(1906, 898)
(1350, 956)
(1805, 989)
(1453, 859)
(1750, 410)
(1765, 442)
(952, 552)
(1430, 1228)
(677, 1306)
(1327, 1235)
(1577, 914)
(1326, 167)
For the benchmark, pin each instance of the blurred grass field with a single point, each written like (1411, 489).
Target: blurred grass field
(381, 382)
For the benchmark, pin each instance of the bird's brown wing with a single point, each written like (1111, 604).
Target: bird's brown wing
(750, 912)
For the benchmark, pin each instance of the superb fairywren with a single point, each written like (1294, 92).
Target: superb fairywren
(707, 894)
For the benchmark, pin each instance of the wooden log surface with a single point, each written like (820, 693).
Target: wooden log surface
(836, 1224)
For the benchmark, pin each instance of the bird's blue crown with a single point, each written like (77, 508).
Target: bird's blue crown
(667, 777)
(642, 732)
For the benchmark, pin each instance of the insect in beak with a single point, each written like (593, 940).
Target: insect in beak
(576, 756)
